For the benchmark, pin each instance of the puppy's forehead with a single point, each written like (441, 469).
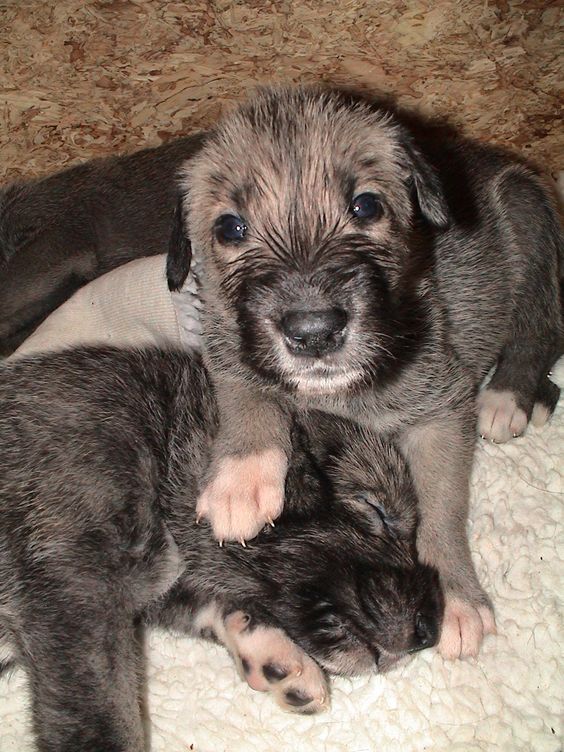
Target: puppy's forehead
(298, 144)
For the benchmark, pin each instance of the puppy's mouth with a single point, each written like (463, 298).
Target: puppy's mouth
(329, 370)
(328, 374)
(363, 660)
(323, 380)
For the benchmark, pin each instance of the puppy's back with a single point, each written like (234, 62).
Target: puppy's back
(85, 440)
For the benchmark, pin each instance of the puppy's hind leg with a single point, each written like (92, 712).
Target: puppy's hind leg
(267, 659)
(520, 385)
(84, 669)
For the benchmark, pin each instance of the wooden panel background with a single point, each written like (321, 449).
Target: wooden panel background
(84, 79)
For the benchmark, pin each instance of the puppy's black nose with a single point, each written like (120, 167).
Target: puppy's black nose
(426, 632)
(314, 333)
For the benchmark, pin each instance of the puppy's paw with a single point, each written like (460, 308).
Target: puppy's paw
(270, 662)
(245, 494)
(464, 627)
(499, 418)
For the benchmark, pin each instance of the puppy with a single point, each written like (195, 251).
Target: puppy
(356, 265)
(102, 451)
(69, 228)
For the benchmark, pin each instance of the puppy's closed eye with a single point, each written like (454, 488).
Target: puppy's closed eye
(324, 615)
(25, 234)
(381, 519)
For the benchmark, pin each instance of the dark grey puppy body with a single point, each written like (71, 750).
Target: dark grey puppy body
(357, 266)
(102, 453)
(64, 230)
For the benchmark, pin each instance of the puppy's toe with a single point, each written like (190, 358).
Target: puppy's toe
(245, 494)
(541, 415)
(303, 691)
(463, 629)
(499, 417)
(488, 620)
(307, 695)
(270, 662)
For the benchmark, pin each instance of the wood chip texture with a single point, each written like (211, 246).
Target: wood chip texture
(81, 79)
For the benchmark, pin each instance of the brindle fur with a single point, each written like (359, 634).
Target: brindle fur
(102, 452)
(64, 230)
(461, 274)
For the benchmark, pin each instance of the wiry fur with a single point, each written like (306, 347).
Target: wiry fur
(460, 274)
(66, 229)
(102, 453)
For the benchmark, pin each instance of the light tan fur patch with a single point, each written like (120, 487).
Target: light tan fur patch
(245, 494)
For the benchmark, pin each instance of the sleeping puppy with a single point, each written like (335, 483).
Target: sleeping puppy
(64, 230)
(355, 264)
(102, 451)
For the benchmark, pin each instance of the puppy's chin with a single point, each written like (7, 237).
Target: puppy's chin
(388, 662)
(351, 662)
(324, 381)
(359, 661)
(317, 376)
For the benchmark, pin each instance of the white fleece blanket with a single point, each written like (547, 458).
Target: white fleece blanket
(510, 698)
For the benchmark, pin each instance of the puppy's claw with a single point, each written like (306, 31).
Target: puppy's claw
(242, 542)
(220, 543)
(270, 521)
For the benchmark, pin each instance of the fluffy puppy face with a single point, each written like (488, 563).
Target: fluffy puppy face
(346, 583)
(302, 204)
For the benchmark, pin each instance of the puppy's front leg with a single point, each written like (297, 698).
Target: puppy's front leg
(440, 458)
(245, 482)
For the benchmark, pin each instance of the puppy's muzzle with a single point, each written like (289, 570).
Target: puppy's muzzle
(314, 333)
(425, 634)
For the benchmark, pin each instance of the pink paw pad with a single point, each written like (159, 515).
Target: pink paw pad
(270, 662)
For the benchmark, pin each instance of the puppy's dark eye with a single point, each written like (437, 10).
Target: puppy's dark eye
(230, 228)
(367, 206)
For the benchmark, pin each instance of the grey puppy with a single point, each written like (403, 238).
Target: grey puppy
(102, 452)
(357, 262)
(66, 229)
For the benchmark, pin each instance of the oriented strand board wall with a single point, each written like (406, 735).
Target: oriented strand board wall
(84, 78)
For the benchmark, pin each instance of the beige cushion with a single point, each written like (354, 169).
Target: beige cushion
(129, 306)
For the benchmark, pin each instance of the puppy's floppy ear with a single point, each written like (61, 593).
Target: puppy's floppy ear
(427, 184)
(179, 250)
